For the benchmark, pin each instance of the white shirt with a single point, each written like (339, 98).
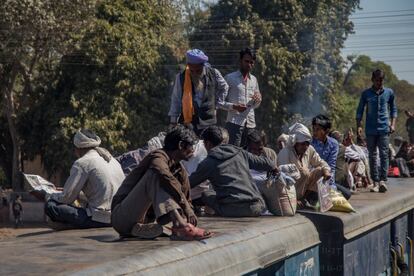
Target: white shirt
(241, 91)
(98, 180)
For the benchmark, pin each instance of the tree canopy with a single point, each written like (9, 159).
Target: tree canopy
(298, 45)
(109, 66)
(358, 78)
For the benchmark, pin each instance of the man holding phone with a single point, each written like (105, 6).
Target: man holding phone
(381, 114)
(244, 95)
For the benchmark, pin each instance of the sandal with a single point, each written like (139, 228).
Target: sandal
(189, 233)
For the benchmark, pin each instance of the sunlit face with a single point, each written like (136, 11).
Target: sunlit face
(256, 148)
(301, 148)
(319, 132)
(246, 63)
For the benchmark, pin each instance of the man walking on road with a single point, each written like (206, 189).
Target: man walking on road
(381, 114)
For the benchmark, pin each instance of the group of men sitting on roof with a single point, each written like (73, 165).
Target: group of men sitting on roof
(164, 182)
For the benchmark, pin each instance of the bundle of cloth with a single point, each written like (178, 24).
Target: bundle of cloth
(356, 166)
(131, 159)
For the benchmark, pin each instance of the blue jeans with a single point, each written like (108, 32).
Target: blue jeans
(382, 143)
(69, 214)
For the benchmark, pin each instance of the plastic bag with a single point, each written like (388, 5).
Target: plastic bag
(279, 194)
(325, 203)
(340, 204)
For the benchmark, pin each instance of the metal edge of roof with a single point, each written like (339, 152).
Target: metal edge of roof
(228, 254)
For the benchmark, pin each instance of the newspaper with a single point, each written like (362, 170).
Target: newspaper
(37, 183)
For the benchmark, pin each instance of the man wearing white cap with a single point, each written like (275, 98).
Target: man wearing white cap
(198, 91)
(312, 167)
(98, 175)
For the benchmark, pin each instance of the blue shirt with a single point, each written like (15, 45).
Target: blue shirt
(380, 109)
(328, 151)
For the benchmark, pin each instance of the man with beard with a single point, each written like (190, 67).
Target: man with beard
(160, 181)
(198, 91)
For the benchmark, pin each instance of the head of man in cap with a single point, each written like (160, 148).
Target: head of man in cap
(97, 175)
(300, 138)
(196, 59)
(281, 141)
(85, 140)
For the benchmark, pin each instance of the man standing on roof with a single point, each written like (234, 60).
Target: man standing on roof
(381, 114)
(244, 96)
(198, 91)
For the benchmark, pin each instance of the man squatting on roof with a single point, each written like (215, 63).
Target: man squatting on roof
(327, 148)
(160, 181)
(227, 167)
(300, 152)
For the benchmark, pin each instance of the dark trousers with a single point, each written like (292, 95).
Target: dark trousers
(69, 214)
(236, 209)
(345, 191)
(238, 134)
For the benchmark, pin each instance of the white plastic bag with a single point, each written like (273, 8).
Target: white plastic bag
(325, 202)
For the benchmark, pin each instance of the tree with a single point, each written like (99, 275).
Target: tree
(359, 79)
(116, 82)
(299, 66)
(34, 34)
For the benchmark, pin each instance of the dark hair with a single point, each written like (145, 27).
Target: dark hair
(323, 121)
(378, 73)
(248, 51)
(179, 134)
(257, 136)
(214, 134)
(254, 137)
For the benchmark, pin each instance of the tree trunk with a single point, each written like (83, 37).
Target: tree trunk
(17, 168)
(10, 112)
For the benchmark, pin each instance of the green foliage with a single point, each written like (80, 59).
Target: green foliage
(299, 66)
(345, 109)
(113, 82)
(358, 78)
(110, 67)
(33, 37)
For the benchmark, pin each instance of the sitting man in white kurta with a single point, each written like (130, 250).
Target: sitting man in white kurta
(95, 173)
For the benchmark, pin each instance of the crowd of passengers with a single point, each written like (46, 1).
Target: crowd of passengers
(199, 168)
